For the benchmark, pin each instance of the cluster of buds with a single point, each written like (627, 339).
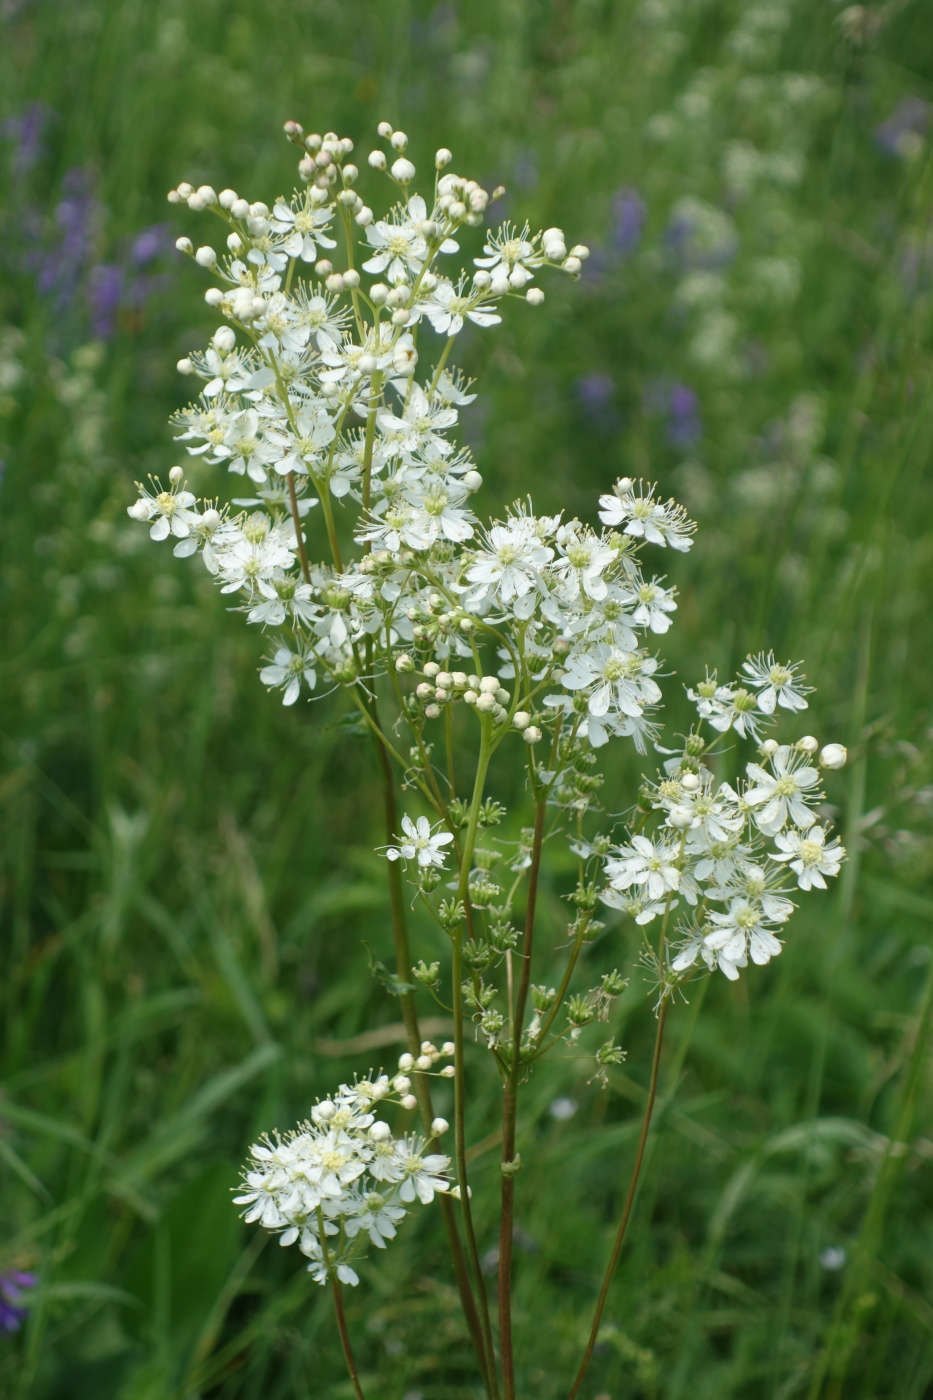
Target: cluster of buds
(424, 1064)
(832, 756)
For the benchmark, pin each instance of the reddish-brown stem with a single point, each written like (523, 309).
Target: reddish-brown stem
(629, 1202)
(296, 517)
(413, 1035)
(345, 1338)
(509, 1113)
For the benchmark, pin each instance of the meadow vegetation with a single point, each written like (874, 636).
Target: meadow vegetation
(192, 915)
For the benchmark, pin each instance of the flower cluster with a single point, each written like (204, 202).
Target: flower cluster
(342, 1178)
(711, 844)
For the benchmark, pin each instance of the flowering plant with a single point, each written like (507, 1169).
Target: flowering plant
(534, 632)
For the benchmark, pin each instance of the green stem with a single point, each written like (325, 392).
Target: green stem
(469, 845)
(413, 1034)
(509, 1114)
(627, 1208)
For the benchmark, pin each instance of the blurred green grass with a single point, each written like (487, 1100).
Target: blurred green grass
(187, 871)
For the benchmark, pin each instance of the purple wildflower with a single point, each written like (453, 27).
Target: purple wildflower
(628, 219)
(898, 136)
(77, 216)
(150, 244)
(595, 393)
(679, 405)
(27, 130)
(13, 1307)
(105, 292)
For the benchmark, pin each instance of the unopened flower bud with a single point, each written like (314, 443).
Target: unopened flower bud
(401, 1083)
(380, 1132)
(351, 278)
(404, 662)
(207, 193)
(385, 130)
(401, 316)
(439, 1126)
(690, 782)
(227, 198)
(834, 755)
(399, 141)
(573, 266)
(185, 366)
(532, 734)
(472, 480)
(680, 818)
(176, 475)
(409, 1101)
(445, 680)
(424, 691)
(448, 1071)
(489, 684)
(432, 670)
(184, 245)
(448, 1048)
(403, 171)
(234, 242)
(470, 697)
(240, 209)
(534, 296)
(323, 267)
(581, 251)
(769, 748)
(173, 197)
(486, 702)
(224, 339)
(350, 173)
(195, 203)
(324, 1111)
(210, 519)
(334, 283)
(423, 1062)
(522, 719)
(808, 744)
(442, 157)
(213, 296)
(365, 217)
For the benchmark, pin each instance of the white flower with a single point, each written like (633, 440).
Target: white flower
(809, 855)
(255, 557)
(420, 843)
(401, 247)
(419, 426)
(244, 450)
(510, 256)
(510, 564)
(421, 1177)
(377, 1217)
(287, 671)
(583, 558)
(171, 512)
(617, 680)
(449, 305)
(663, 523)
(741, 933)
(783, 795)
(776, 684)
(638, 907)
(303, 228)
(646, 863)
(650, 604)
(300, 450)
